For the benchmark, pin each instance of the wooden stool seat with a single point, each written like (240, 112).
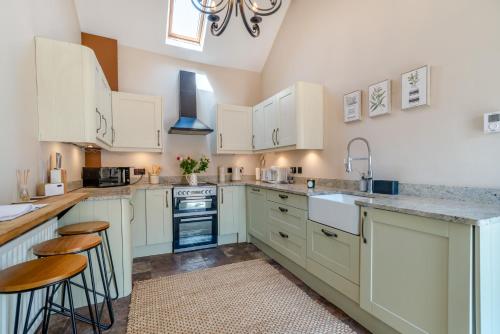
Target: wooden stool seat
(84, 228)
(39, 273)
(67, 245)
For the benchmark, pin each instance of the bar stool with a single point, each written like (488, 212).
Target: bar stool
(91, 227)
(75, 244)
(49, 274)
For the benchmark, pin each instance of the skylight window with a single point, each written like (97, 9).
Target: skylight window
(186, 25)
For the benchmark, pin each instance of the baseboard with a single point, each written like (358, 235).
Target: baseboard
(150, 250)
(335, 297)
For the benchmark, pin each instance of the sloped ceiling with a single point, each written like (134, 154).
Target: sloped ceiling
(142, 24)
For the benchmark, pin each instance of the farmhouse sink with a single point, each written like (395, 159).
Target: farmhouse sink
(336, 210)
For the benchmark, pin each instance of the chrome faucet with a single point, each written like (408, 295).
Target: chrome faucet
(366, 183)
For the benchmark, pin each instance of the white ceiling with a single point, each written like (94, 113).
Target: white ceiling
(142, 24)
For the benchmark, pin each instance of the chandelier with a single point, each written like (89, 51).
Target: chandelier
(215, 9)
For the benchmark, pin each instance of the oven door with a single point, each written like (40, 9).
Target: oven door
(189, 205)
(195, 232)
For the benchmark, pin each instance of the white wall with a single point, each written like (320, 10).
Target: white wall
(348, 45)
(143, 72)
(20, 21)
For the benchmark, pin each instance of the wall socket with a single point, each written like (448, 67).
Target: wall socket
(299, 170)
(139, 171)
(229, 170)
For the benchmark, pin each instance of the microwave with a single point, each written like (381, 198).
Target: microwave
(274, 175)
(101, 177)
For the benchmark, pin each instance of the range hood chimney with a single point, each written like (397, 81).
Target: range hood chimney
(188, 123)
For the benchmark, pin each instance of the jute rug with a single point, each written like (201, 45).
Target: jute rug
(244, 297)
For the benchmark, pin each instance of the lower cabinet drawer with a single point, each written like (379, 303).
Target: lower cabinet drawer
(297, 201)
(288, 244)
(288, 218)
(336, 250)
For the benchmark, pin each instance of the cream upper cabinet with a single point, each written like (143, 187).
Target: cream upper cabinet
(287, 125)
(271, 122)
(137, 122)
(103, 106)
(234, 129)
(258, 128)
(293, 119)
(416, 273)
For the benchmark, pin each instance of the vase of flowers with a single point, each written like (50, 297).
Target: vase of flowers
(191, 167)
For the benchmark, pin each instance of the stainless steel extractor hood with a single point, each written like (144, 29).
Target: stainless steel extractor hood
(188, 123)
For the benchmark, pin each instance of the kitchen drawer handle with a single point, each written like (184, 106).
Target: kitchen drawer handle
(254, 189)
(220, 135)
(283, 209)
(282, 196)
(253, 141)
(133, 212)
(363, 227)
(329, 234)
(158, 136)
(274, 142)
(166, 199)
(100, 120)
(277, 136)
(283, 235)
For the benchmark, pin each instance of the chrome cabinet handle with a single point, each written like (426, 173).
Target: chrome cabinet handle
(274, 131)
(220, 135)
(100, 120)
(222, 195)
(253, 141)
(158, 137)
(133, 212)
(166, 199)
(283, 196)
(283, 209)
(329, 234)
(106, 125)
(277, 136)
(363, 228)
(283, 235)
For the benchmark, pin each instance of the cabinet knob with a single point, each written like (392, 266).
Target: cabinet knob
(329, 234)
(283, 209)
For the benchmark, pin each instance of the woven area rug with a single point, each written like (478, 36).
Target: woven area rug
(244, 297)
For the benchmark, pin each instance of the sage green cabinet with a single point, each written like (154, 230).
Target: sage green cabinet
(232, 214)
(416, 273)
(288, 244)
(257, 213)
(288, 218)
(152, 222)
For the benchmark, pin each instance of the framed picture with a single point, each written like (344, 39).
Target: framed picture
(415, 88)
(379, 98)
(352, 106)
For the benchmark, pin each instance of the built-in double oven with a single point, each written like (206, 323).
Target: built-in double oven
(195, 217)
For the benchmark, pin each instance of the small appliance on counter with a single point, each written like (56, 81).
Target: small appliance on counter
(101, 177)
(222, 174)
(275, 174)
(236, 174)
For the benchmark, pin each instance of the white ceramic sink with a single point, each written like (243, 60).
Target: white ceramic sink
(336, 210)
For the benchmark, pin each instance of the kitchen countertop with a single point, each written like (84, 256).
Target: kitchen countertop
(14, 228)
(447, 210)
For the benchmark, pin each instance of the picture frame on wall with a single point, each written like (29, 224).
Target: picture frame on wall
(352, 107)
(379, 98)
(415, 88)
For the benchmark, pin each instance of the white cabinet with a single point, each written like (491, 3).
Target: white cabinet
(258, 127)
(232, 214)
(234, 129)
(73, 97)
(416, 273)
(137, 122)
(287, 125)
(271, 122)
(152, 222)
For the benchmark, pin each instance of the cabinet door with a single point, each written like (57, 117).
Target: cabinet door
(227, 219)
(416, 273)
(138, 220)
(59, 91)
(137, 121)
(271, 122)
(287, 124)
(234, 129)
(158, 216)
(259, 128)
(103, 98)
(257, 214)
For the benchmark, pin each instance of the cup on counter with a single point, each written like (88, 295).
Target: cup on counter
(154, 179)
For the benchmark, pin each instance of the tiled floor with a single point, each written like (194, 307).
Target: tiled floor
(170, 264)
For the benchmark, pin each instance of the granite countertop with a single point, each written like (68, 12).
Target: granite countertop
(467, 212)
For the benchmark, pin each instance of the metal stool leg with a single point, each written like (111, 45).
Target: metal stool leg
(112, 265)
(71, 306)
(89, 304)
(46, 311)
(18, 310)
(105, 285)
(26, 322)
(92, 282)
